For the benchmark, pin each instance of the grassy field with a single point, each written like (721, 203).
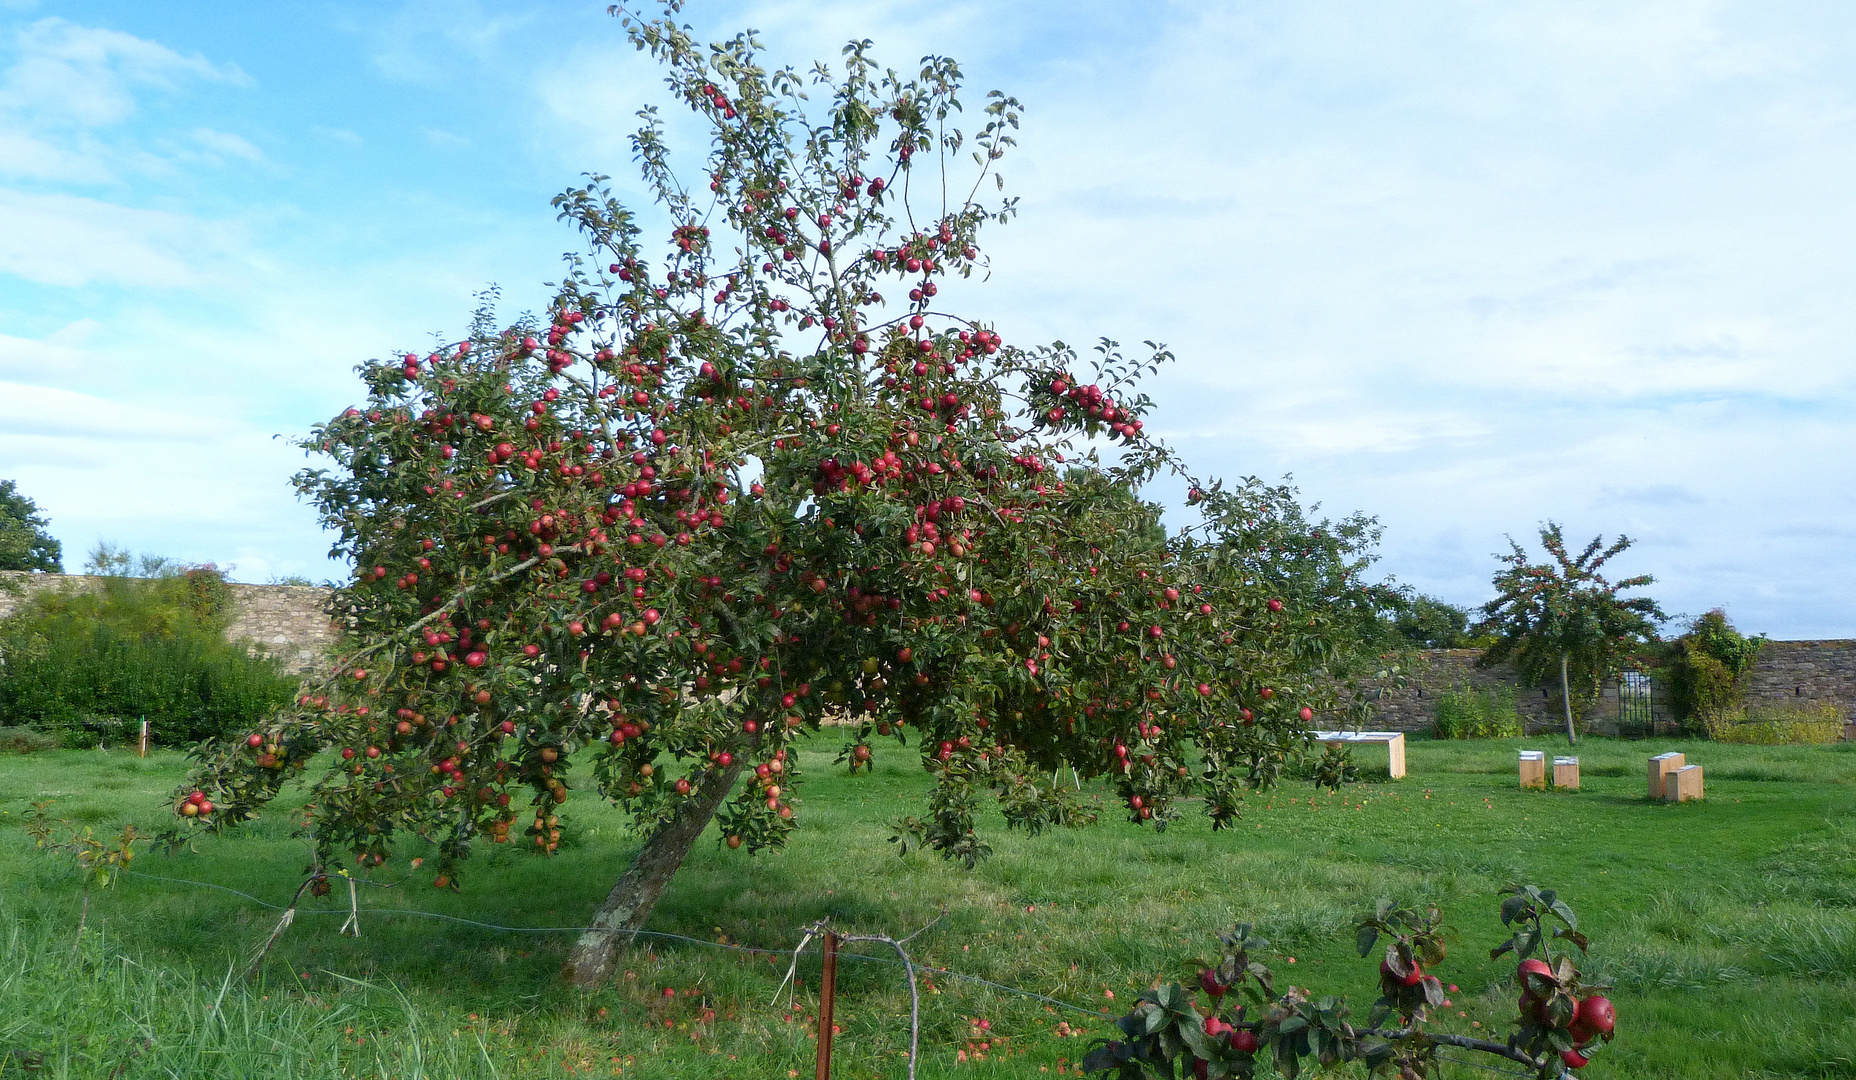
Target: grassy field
(1728, 927)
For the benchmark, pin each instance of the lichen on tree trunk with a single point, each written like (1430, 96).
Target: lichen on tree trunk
(629, 904)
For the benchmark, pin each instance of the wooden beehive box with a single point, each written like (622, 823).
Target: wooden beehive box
(1566, 773)
(1683, 784)
(1660, 767)
(1534, 769)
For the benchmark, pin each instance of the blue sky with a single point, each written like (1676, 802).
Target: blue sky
(1464, 266)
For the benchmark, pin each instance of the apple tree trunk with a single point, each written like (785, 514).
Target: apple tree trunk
(629, 904)
(1572, 737)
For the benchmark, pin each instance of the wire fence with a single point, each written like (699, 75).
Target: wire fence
(654, 934)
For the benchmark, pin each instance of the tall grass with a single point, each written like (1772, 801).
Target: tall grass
(1464, 713)
(80, 1005)
(1720, 922)
(1780, 725)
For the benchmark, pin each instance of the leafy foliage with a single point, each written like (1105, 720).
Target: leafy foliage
(1564, 615)
(1245, 1020)
(88, 663)
(1706, 667)
(24, 542)
(722, 493)
(99, 860)
(1336, 767)
(1260, 533)
(1429, 623)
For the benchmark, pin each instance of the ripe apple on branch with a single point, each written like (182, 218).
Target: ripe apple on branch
(1245, 1016)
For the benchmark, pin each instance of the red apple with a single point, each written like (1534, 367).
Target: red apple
(1531, 966)
(1595, 1016)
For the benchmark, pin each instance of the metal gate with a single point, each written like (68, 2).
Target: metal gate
(1635, 694)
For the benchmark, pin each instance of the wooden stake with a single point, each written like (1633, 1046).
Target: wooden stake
(142, 744)
(828, 986)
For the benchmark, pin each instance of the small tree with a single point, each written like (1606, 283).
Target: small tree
(1564, 615)
(24, 543)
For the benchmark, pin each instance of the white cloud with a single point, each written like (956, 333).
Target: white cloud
(28, 156)
(70, 92)
(53, 360)
(426, 40)
(70, 240)
(51, 412)
(226, 145)
(86, 77)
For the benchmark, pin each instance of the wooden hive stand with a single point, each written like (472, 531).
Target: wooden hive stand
(1534, 770)
(1660, 767)
(1566, 773)
(1394, 740)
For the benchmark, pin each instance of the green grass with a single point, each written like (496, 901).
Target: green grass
(1728, 927)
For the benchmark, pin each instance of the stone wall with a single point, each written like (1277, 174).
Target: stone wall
(1408, 708)
(1786, 673)
(1800, 672)
(287, 621)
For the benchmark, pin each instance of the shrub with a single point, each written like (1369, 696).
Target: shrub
(1706, 668)
(22, 740)
(86, 666)
(1781, 725)
(1464, 713)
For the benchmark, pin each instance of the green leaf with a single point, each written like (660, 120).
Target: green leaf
(1367, 938)
(1193, 1035)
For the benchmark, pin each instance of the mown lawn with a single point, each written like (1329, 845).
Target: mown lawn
(1728, 927)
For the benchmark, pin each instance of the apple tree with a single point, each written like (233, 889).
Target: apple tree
(1565, 615)
(746, 473)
